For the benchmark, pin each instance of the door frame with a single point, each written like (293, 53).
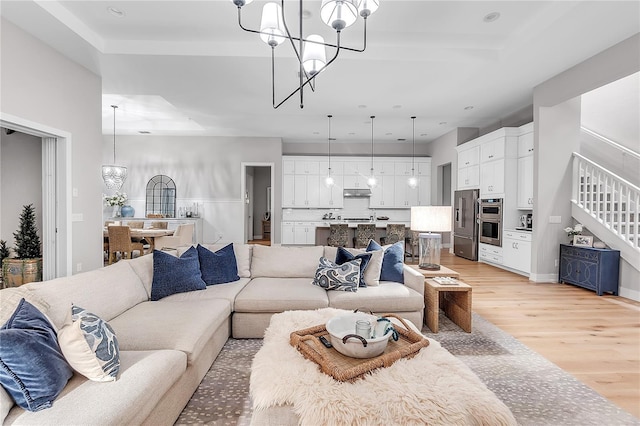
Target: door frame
(243, 189)
(57, 207)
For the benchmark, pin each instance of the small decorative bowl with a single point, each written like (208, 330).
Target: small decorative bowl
(343, 338)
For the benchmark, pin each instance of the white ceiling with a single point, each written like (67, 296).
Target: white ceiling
(186, 68)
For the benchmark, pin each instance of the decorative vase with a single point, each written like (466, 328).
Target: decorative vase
(116, 211)
(127, 211)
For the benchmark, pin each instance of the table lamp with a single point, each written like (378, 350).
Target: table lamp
(426, 220)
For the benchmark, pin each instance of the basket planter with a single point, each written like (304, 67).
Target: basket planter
(16, 272)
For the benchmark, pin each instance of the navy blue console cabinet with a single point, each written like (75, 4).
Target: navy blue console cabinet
(591, 268)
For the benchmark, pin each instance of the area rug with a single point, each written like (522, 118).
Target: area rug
(537, 392)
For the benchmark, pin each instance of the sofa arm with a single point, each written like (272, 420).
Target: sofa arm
(413, 279)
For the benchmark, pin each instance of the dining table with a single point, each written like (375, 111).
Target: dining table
(148, 234)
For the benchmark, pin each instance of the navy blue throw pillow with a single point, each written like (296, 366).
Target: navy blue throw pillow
(32, 368)
(173, 275)
(392, 261)
(218, 267)
(343, 256)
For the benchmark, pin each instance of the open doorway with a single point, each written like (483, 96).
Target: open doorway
(258, 205)
(444, 196)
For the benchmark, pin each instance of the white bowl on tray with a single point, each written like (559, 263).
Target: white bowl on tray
(342, 331)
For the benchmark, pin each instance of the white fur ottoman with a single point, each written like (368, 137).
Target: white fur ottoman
(431, 388)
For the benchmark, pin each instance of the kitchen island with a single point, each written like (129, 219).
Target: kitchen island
(317, 232)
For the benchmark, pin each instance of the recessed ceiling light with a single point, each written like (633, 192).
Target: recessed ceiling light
(491, 17)
(116, 12)
(388, 134)
(401, 139)
(144, 132)
(352, 133)
(362, 106)
(423, 134)
(397, 106)
(316, 133)
(470, 107)
(442, 123)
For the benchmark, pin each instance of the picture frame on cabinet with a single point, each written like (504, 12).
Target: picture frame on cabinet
(583, 240)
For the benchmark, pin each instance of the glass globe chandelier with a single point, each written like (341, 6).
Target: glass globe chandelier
(113, 175)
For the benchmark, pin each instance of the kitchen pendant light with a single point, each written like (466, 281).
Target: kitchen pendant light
(329, 181)
(372, 182)
(413, 180)
(113, 175)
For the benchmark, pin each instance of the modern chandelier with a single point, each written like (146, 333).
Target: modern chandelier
(114, 176)
(372, 182)
(413, 180)
(310, 51)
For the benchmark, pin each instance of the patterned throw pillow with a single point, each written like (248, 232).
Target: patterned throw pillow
(331, 276)
(33, 370)
(90, 346)
(343, 255)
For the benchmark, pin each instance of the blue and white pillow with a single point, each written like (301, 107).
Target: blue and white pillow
(331, 276)
(343, 256)
(90, 345)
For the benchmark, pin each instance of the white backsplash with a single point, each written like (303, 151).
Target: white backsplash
(353, 207)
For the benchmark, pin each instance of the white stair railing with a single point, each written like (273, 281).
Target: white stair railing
(610, 199)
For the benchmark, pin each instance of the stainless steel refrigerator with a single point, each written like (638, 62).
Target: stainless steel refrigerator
(465, 225)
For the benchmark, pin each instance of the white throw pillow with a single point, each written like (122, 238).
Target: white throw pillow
(90, 346)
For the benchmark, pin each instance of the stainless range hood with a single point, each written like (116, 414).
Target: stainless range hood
(357, 193)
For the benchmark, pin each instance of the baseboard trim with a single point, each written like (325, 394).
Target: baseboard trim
(544, 278)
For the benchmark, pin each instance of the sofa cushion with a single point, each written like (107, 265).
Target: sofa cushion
(392, 261)
(372, 270)
(90, 346)
(344, 256)
(145, 377)
(184, 326)
(218, 267)
(226, 291)
(331, 276)
(285, 261)
(107, 292)
(143, 267)
(387, 297)
(243, 254)
(32, 368)
(11, 297)
(280, 294)
(173, 274)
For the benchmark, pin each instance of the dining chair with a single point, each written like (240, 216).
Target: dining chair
(120, 242)
(135, 224)
(183, 236)
(159, 224)
(395, 232)
(338, 235)
(364, 233)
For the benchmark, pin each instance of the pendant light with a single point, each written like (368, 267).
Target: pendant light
(114, 176)
(329, 181)
(413, 180)
(372, 182)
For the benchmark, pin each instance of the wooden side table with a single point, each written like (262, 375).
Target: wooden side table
(442, 272)
(454, 300)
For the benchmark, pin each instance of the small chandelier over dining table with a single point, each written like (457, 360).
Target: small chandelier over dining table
(310, 51)
(112, 174)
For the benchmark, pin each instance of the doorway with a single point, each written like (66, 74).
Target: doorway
(257, 180)
(55, 193)
(444, 196)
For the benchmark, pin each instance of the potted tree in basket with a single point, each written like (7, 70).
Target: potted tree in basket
(26, 267)
(4, 253)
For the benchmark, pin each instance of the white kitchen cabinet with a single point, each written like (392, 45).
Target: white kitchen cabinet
(307, 167)
(384, 166)
(403, 168)
(525, 144)
(357, 167)
(492, 150)
(288, 166)
(405, 196)
(382, 196)
(337, 168)
(424, 190)
(300, 191)
(525, 182)
(490, 254)
(288, 191)
(469, 177)
(423, 167)
(492, 178)
(304, 233)
(332, 197)
(468, 157)
(354, 181)
(516, 250)
(287, 235)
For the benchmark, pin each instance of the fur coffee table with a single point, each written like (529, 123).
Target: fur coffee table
(431, 388)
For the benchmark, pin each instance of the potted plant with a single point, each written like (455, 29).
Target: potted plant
(4, 253)
(26, 266)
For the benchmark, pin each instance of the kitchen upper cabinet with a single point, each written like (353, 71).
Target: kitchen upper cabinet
(384, 167)
(288, 191)
(492, 150)
(357, 168)
(492, 178)
(469, 177)
(306, 167)
(405, 196)
(403, 168)
(300, 191)
(332, 196)
(424, 190)
(423, 168)
(525, 144)
(288, 166)
(337, 168)
(354, 181)
(382, 196)
(468, 157)
(525, 182)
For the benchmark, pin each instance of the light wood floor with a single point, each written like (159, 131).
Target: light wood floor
(594, 338)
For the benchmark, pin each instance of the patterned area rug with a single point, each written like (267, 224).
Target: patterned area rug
(537, 391)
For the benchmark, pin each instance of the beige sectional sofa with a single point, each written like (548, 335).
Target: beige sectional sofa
(167, 346)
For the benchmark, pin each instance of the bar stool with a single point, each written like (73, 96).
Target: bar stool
(338, 235)
(364, 233)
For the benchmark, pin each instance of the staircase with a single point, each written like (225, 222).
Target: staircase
(608, 206)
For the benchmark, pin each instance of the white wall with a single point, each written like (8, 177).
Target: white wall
(557, 121)
(206, 170)
(19, 152)
(41, 86)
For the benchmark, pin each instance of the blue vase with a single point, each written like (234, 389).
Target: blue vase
(127, 211)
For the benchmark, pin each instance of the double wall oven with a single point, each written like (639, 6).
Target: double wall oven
(490, 221)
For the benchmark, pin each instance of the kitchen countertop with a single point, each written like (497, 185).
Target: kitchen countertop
(325, 223)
